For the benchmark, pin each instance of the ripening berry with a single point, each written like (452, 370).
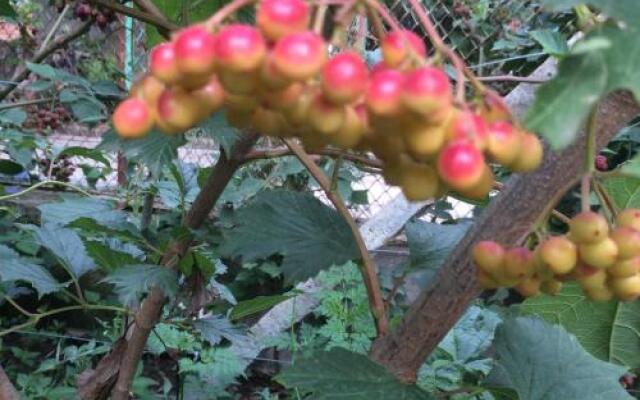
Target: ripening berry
(470, 126)
(504, 143)
(599, 294)
(419, 182)
(195, 51)
(270, 77)
(489, 257)
(486, 281)
(388, 145)
(626, 289)
(480, 190)
(531, 153)
(245, 83)
(629, 218)
(299, 56)
(325, 117)
(179, 109)
(427, 90)
(163, 63)
(278, 18)
(494, 109)
(588, 227)
(132, 118)
(551, 287)
(398, 45)
(148, 89)
(625, 268)
(602, 164)
(602, 254)
(378, 67)
(559, 254)
(461, 165)
(298, 114)
(241, 102)
(211, 96)
(312, 141)
(284, 98)
(240, 48)
(384, 93)
(424, 141)
(239, 118)
(518, 263)
(268, 122)
(353, 129)
(529, 287)
(590, 277)
(344, 78)
(628, 241)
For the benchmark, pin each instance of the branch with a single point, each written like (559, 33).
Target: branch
(21, 73)
(163, 24)
(369, 274)
(150, 310)
(507, 218)
(282, 152)
(512, 78)
(7, 390)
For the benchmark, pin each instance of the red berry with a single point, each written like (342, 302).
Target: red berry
(461, 165)
(397, 44)
(427, 90)
(194, 48)
(344, 78)
(132, 118)
(504, 142)
(163, 63)
(384, 93)
(278, 18)
(601, 163)
(178, 109)
(240, 48)
(211, 96)
(300, 56)
(470, 126)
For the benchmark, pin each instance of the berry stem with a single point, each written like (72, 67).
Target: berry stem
(605, 199)
(55, 27)
(592, 130)
(368, 269)
(224, 12)
(585, 191)
(560, 216)
(376, 22)
(335, 175)
(320, 16)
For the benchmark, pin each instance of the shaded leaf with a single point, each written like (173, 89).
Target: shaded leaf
(608, 330)
(66, 245)
(107, 258)
(256, 305)
(132, 281)
(552, 42)
(430, 244)
(219, 129)
(14, 116)
(9, 167)
(216, 327)
(309, 235)
(624, 191)
(624, 10)
(73, 207)
(14, 268)
(86, 153)
(339, 373)
(543, 362)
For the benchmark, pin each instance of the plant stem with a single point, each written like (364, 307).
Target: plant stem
(329, 152)
(7, 106)
(18, 307)
(44, 183)
(560, 216)
(585, 190)
(163, 24)
(368, 270)
(335, 175)
(318, 21)
(592, 132)
(605, 199)
(55, 27)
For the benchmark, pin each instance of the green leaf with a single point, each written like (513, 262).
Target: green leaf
(86, 153)
(90, 226)
(631, 168)
(74, 207)
(15, 268)
(608, 330)
(341, 374)
(624, 10)
(13, 116)
(6, 10)
(255, 305)
(552, 42)
(44, 70)
(132, 281)
(430, 244)
(108, 258)
(9, 167)
(67, 246)
(309, 235)
(216, 327)
(87, 109)
(625, 192)
(219, 129)
(562, 104)
(543, 362)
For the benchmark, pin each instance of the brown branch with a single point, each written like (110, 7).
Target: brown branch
(7, 390)
(510, 214)
(21, 73)
(369, 273)
(163, 24)
(282, 152)
(151, 308)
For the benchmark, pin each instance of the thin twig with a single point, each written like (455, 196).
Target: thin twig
(512, 78)
(560, 216)
(369, 274)
(318, 22)
(6, 106)
(585, 190)
(283, 152)
(149, 18)
(55, 27)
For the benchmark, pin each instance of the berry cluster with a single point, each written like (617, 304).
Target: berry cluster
(43, 118)
(61, 170)
(278, 78)
(605, 262)
(83, 11)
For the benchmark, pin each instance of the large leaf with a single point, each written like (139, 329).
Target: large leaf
(624, 10)
(309, 235)
(67, 246)
(216, 327)
(13, 116)
(608, 330)
(430, 244)
(73, 207)
(219, 129)
(624, 191)
(585, 77)
(108, 258)
(543, 362)
(132, 281)
(15, 268)
(552, 42)
(341, 374)
(256, 305)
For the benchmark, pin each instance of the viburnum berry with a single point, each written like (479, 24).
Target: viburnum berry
(504, 142)
(344, 78)
(195, 51)
(179, 109)
(480, 190)
(489, 256)
(628, 242)
(284, 98)
(245, 83)
(149, 89)
(602, 164)
(494, 109)
(241, 102)
(599, 294)
(297, 115)
(270, 123)
(211, 96)
(461, 164)
(163, 63)
(270, 77)
(398, 45)
(626, 289)
(625, 268)
(551, 287)
(384, 93)
(278, 18)
(590, 277)
(132, 118)
(424, 141)
(427, 90)
(353, 129)
(529, 287)
(300, 56)
(419, 182)
(325, 117)
(531, 153)
(518, 263)
(588, 227)
(470, 126)
(602, 254)
(629, 218)
(559, 254)
(240, 48)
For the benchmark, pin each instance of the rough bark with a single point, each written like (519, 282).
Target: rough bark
(7, 390)
(507, 218)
